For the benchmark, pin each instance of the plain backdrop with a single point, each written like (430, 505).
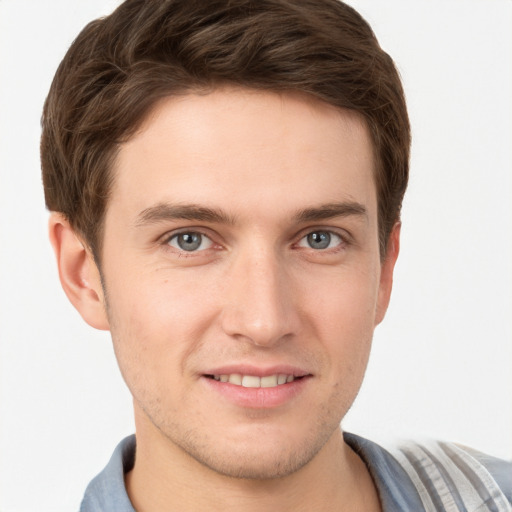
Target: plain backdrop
(442, 360)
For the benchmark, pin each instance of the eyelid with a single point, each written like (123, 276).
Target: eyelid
(165, 239)
(335, 239)
(203, 241)
(180, 231)
(344, 235)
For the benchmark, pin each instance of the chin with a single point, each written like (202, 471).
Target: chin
(263, 459)
(258, 465)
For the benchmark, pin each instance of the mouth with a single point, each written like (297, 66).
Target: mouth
(257, 387)
(253, 381)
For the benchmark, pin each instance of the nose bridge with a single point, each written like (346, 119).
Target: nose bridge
(259, 306)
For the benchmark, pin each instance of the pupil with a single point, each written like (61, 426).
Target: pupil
(189, 241)
(319, 240)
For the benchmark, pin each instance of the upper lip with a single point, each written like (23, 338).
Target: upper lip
(258, 371)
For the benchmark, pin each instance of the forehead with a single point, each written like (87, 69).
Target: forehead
(243, 148)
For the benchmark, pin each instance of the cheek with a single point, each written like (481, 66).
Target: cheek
(342, 301)
(155, 303)
(155, 324)
(342, 313)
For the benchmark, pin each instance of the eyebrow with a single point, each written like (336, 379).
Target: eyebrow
(167, 211)
(330, 211)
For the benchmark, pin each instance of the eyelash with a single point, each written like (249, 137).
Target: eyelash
(166, 242)
(343, 241)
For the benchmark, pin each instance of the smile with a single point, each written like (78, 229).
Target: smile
(253, 381)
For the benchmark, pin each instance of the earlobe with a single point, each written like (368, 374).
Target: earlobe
(386, 275)
(78, 273)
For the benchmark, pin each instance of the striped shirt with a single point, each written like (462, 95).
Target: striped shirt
(436, 476)
(411, 477)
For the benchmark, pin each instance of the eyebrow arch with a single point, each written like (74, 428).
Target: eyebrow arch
(331, 210)
(193, 212)
(168, 211)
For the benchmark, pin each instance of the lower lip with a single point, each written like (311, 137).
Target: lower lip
(257, 398)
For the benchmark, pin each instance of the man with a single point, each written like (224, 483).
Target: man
(226, 180)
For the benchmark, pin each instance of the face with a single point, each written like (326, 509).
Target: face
(242, 275)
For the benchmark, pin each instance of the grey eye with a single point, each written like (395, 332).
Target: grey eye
(321, 240)
(190, 241)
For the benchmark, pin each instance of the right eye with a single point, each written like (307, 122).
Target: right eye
(190, 241)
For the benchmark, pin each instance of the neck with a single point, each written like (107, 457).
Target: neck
(165, 479)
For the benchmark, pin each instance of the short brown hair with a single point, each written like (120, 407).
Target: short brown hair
(120, 65)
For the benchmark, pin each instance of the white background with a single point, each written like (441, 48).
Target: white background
(442, 360)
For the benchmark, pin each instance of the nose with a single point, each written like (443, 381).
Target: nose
(260, 304)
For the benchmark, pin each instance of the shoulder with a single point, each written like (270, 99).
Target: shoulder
(436, 476)
(107, 490)
(452, 477)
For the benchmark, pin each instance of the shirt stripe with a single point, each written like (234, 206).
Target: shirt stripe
(423, 491)
(449, 479)
(480, 478)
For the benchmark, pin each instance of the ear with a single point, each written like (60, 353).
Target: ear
(78, 273)
(386, 273)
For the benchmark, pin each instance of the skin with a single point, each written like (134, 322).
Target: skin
(267, 170)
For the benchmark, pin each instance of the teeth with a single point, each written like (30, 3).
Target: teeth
(248, 381)
(269, 382)
(251, 381)
(235, 378)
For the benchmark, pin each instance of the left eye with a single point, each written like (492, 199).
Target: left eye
(190, 241)
(321, 240)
